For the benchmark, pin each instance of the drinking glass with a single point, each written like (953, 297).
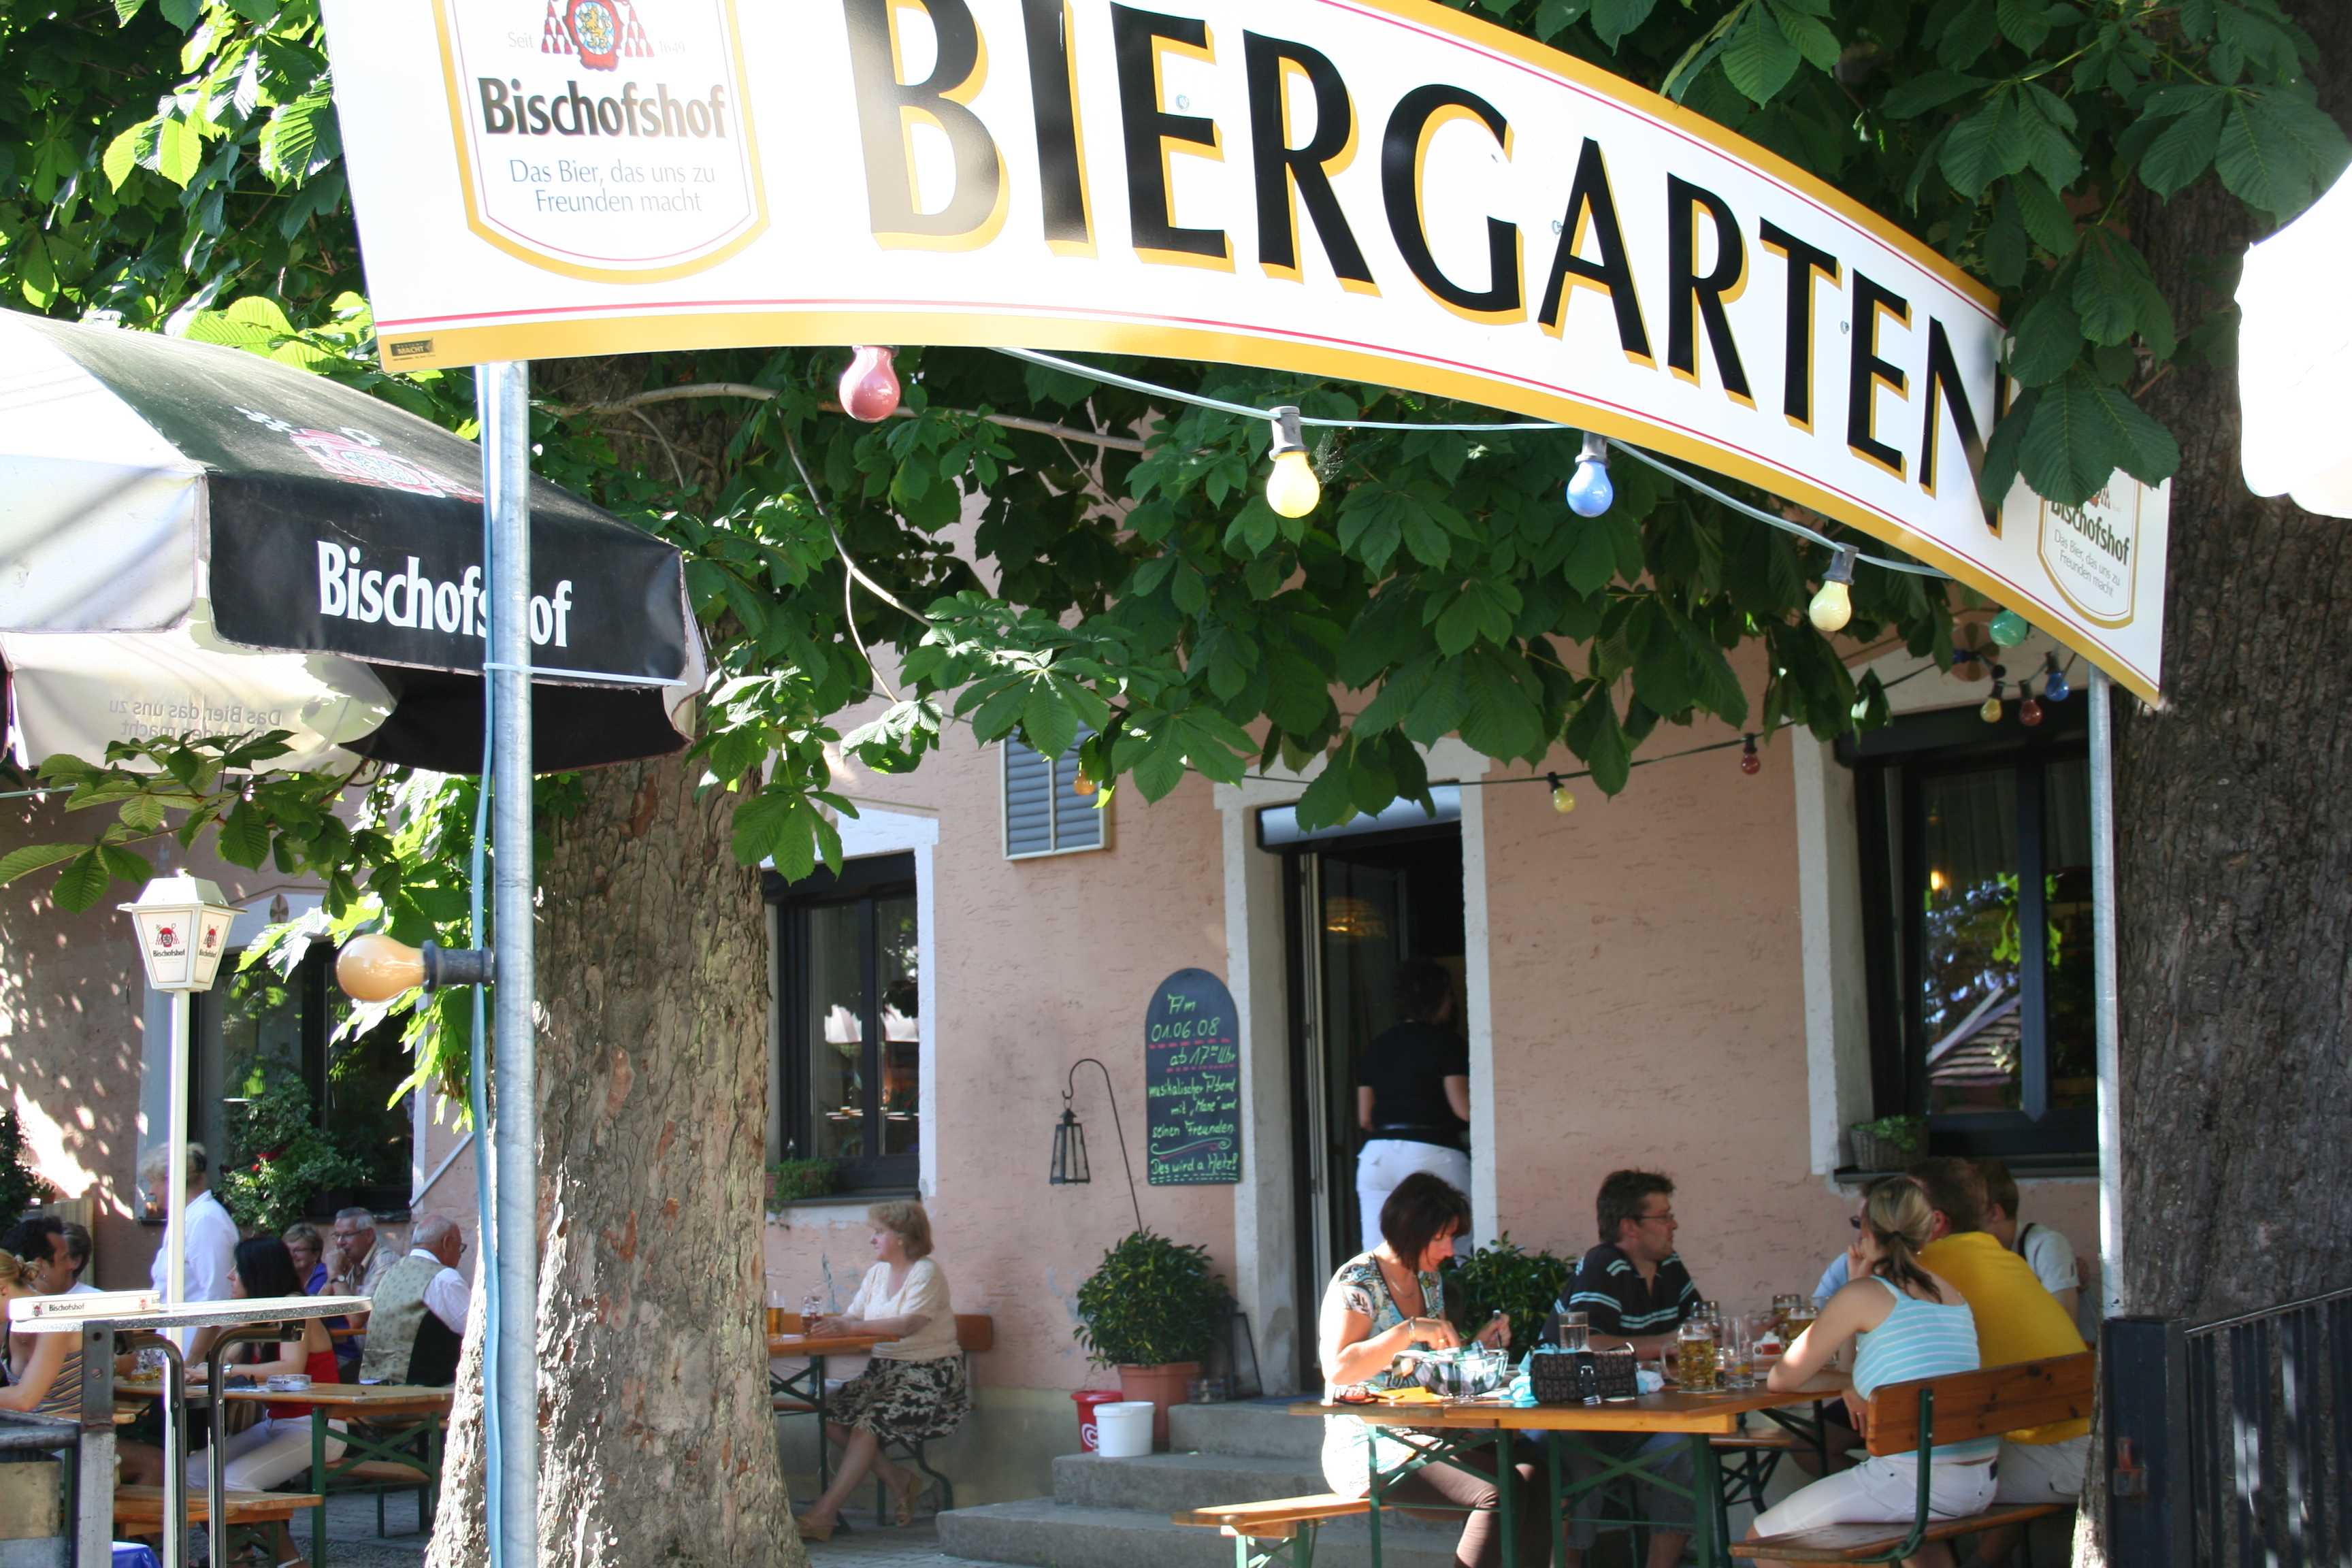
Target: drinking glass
(1575, 1332)
(1739, 1354)
(1782, 1305)
(811, 1307)
(777, 1313)
(1695, 1343)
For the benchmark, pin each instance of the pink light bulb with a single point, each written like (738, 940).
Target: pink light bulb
(869, 387)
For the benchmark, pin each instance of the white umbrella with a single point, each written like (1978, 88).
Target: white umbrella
(198, 540)
(2294, 359)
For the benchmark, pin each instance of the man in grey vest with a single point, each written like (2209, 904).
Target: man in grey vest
(417, 1316)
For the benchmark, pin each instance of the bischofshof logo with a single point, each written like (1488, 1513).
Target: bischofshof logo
(613, 142)
(2090, 550)
(411, 348)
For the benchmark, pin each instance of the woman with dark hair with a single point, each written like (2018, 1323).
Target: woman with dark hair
(1412, 1096)
(1390, 1299)
(277, 1447)
(1908, 1324)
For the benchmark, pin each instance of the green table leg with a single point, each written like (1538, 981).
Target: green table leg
(824, 1438)
(319, 1481)
(1506, 1478)
(1710, 1520)
(1558, 1500)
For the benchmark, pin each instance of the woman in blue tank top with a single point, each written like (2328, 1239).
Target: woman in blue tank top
(1906, 1323)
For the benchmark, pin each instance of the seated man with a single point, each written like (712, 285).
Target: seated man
(417, 1316)
(2049, 1255)
(2017, 1320)
(77, 1257)
(1633, 1291)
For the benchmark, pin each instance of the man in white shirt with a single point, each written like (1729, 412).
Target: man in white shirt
(2049, 1255)
(419, 1317)
(211, 1233)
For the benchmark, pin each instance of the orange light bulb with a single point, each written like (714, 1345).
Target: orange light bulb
(374, 968)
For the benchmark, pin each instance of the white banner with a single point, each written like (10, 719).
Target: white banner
(1378, 190)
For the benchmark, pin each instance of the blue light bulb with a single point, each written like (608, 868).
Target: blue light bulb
(2055, 686)
(1590, 491)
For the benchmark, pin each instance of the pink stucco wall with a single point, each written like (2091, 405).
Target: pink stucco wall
(1040, 963)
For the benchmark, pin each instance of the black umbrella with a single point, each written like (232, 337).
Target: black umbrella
(198, 539)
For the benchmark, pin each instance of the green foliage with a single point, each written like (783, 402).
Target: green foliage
(178, 162)
(1908, 1134)
(279, 1160)
(1505, 1277)
(1151, 1302)
(790, 1181)
(20, 1189)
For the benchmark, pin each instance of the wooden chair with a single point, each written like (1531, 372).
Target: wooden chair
(1913, 1418)
(975, 1332)
(1279, 1531)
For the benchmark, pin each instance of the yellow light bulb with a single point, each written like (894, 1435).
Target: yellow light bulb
(1991, 712)
(1832, 608)
(1292, 489)
(1563, 799)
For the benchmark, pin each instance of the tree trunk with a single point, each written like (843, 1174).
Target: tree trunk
(656, 1441)
(2234, 814)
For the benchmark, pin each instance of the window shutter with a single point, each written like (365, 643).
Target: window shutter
(1043, 813)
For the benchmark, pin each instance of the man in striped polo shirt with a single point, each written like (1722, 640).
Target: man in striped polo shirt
(1633, 1291)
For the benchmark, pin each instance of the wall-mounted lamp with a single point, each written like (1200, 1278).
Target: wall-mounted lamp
(1070, 1168)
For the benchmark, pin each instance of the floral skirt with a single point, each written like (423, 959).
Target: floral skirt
(912, 1401)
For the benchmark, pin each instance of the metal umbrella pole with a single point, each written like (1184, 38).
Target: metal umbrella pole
(2108, 1032)
(505, 400)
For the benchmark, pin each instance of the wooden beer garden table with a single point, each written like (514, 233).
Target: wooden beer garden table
(360, 1406)
(807, 1386)
(1440, 1432)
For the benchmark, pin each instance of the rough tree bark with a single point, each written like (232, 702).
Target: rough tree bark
(2234, 848)
(656, 1441)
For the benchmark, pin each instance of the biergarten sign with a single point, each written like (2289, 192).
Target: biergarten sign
(1386, 191)
(1192, 1083)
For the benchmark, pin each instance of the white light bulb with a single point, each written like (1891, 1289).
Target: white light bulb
(1832, 608)
(1292, 489)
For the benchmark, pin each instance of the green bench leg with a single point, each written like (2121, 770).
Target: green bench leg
(1299, 1552)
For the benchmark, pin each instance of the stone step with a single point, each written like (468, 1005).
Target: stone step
(1163, 1483)
(1041, 1533)
(1262, 1427)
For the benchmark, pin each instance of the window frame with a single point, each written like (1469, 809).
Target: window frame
(1058, 798)
(208, 1079)
(1913, 750)
(865, 882)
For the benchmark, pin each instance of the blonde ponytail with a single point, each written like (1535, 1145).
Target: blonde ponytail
(1900, 1217)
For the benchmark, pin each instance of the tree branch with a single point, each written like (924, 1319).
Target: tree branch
(767, 394)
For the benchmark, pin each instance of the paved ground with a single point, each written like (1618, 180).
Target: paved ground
(352, 1541)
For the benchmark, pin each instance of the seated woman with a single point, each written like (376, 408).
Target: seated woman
(1378, 1303)
(44, 1370)
(276, 1449)
(1908, 1324)
(914, 1389)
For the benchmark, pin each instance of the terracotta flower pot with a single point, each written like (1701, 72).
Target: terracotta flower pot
(1163, 1385)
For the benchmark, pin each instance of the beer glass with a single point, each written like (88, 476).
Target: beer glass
(1697, 1355)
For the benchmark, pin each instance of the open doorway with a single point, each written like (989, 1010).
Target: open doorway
(1360, 908)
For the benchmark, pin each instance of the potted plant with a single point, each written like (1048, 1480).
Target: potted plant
(1154, 1309)
(279, 1161)
(1889, 1143)
(20, 1189)
(1505, 1277)
(791, 1181)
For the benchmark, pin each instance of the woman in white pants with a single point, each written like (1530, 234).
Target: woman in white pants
(1412, 1097)
(276, 1449)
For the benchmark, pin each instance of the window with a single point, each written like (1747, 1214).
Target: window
(847, 966)
(1044, 815)
(262, 1029)
(1976, 858)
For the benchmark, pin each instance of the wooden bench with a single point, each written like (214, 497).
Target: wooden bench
(139, 1511)
(1268, 1533)
(382, 1478)
(1914, 1418)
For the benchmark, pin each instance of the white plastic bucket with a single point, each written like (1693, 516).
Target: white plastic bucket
(1123, 1429)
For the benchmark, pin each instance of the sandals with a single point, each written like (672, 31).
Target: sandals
(808, 1532)
(904, 1499)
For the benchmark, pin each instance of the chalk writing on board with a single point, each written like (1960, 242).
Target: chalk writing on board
(1193, 1082)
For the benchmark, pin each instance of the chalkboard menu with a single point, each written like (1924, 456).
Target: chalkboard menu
(1193, 1082)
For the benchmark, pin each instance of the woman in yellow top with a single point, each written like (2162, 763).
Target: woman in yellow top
(914, 1389)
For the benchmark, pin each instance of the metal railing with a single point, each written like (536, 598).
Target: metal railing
(2227, 1441)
